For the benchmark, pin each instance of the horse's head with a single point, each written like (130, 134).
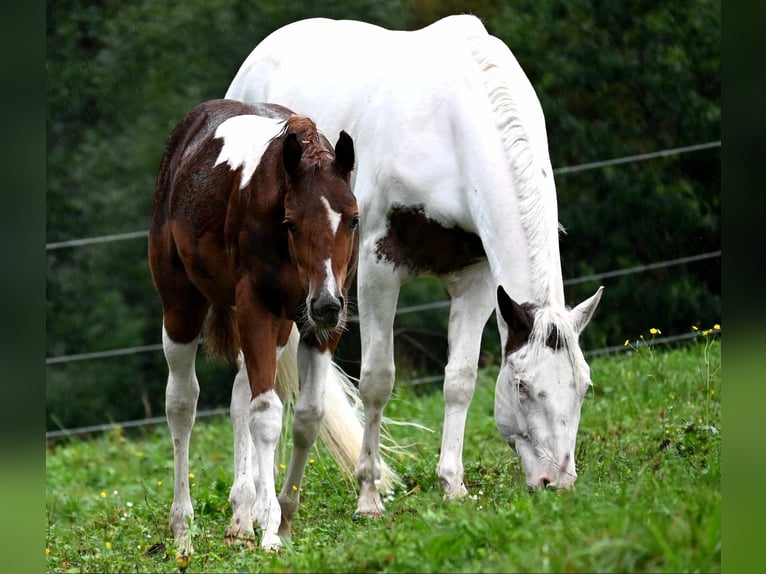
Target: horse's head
(541, 386)
(321, 219)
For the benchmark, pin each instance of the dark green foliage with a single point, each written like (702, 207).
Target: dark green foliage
(614, 79)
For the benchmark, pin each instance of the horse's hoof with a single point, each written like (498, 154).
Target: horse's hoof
(271, 542)
(458, 493)
(372, 514)
(241, 536)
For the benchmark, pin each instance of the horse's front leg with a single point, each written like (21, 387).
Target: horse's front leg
(378, 290)
(472, 304)
(314, 366)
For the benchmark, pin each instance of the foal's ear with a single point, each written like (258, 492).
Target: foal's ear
(517, 318)
(344, 154)
(291, 153)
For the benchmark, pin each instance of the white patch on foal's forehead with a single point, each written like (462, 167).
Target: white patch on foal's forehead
(244, 140)
(332, 215)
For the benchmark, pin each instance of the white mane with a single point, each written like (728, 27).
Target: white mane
(515, 107)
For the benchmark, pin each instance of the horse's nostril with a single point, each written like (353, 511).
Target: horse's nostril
(545, 482)
(341, 302)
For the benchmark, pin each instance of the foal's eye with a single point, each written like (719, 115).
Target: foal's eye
(354, 223)
(292, 229)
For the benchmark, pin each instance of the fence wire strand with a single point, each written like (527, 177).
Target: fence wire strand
(556, 171)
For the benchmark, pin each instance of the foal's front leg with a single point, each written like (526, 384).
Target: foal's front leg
(242, 495)
(259, 411)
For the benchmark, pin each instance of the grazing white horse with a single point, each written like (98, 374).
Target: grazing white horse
(453, 180)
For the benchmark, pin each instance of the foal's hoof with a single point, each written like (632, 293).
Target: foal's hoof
(183, 560)
(240, 537)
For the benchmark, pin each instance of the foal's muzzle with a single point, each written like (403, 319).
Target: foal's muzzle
(325, 310)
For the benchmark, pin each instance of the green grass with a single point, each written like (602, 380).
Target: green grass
(648, 497)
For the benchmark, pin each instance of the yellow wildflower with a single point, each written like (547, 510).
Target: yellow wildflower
(655, 331)
(716, 327)
(108, 545)
(295, 488)
(47, 551)
(312, 461)
(626, 343)
(191, 475)
(695, 328)
(282, 465)
(103, 494)
(159, 483)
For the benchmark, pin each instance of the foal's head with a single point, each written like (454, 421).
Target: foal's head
(321, 219)
(541, 386)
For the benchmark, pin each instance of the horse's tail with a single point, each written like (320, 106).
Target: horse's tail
(221, 336)
(341, 431)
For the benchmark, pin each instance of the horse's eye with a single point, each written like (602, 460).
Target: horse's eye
(292, 229)
(354, 222)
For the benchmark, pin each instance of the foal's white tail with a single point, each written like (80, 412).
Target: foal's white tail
(342, 429)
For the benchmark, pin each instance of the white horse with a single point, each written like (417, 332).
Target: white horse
(453, 180)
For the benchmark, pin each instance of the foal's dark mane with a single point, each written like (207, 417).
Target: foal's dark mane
(317, 150)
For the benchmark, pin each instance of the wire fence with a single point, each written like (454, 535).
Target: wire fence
(55, 434)
(556, 171)
(401, 311)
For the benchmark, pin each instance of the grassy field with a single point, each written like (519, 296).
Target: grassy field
(648, 497)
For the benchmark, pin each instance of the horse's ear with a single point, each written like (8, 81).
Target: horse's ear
(344, 154)
(581, 314)
(291, 153)
(517, 318)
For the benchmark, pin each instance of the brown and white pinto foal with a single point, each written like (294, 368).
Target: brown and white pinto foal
(254, 228)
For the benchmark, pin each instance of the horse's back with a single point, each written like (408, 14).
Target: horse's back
(362, 72)
(417, 100)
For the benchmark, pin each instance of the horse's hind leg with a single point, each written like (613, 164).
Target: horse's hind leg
(472, 303)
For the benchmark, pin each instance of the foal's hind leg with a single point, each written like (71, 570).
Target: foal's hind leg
(472, 303)
(184, 310)
(181, 396)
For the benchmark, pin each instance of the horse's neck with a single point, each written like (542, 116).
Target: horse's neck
(521, 245)
(518, 206)
(513, 209)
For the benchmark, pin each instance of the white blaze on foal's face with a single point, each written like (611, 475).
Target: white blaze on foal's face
(333, 216)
